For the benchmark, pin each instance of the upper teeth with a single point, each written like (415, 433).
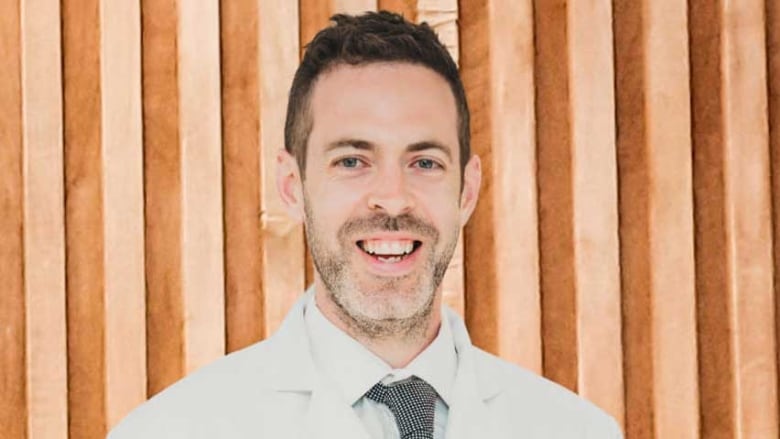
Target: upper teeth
(381, 247)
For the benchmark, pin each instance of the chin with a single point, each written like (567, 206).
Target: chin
(383, 310)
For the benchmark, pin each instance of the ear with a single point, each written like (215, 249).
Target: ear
(472, 181)
(289, 185)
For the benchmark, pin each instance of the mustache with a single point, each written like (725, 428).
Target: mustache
(385, 223)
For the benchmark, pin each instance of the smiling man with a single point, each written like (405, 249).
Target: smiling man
(378, 167)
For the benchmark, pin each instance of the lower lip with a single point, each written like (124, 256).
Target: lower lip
(381, 268)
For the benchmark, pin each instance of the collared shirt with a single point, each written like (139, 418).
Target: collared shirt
(354, 370)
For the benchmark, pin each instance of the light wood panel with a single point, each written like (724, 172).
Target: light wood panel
(104, 215)
(123, 214)
(596, 260)
(44, 234)
(749, 216)
(656, 219)
(244, 300)
(13, 398)
(733, 236)
(580, 283)
(283, 251)
(353, 6)
(201, 162)
(502, 291)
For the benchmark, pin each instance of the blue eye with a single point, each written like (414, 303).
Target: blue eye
(349, 162)
(427, 164)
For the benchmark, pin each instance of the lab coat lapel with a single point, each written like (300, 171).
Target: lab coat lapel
(328, 416)
(469, 416)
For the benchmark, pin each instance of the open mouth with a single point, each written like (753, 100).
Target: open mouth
(389, 251)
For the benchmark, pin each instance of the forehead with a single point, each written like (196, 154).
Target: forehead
(383, 103)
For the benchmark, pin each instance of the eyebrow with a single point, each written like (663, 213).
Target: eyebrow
(369, 146)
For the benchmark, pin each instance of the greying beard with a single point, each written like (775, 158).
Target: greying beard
(331, 268)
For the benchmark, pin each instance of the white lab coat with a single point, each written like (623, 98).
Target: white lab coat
(273, 390)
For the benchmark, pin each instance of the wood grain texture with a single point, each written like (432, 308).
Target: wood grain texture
(656, 227)
(313, 15)
(716, 374)
(13, 398)
(201, 162)
(84, 219)
(773, 89)
(353, 6)
(596, 259)
(407, 8)
(244, 294)
(733, 237)
(625, 245)
(123, 214)
(503, 232)
(555, 195)
(44, 230)
(749, 216)
(283, 252)
(162, 195)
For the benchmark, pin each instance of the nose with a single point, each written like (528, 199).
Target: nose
(390, 193)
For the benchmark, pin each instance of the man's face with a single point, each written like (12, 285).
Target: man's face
(382, 199)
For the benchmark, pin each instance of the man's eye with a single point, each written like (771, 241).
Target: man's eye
(427, 164)
(349, 162)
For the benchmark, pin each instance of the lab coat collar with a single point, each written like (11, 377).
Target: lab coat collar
(293, 371)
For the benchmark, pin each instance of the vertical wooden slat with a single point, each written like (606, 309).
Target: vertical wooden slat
(556, 210)
(283, 251)
(201, 161)
(749, 216)
(84, 218)
(163, 188)
(353, 6)
(773, 78)
(244, 298)
(313, 16)
(596, 260)
(44, 239)
(733, 236)
(577, 200)
(407, 8)
(502, 271)
(123, 227)
(656, 213)
(13, 399)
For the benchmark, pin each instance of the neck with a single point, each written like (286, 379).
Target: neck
(396, 349)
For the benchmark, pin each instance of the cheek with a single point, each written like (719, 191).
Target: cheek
(441, 207)
(331, 206)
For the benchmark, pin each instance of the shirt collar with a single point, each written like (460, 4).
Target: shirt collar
(354, 369)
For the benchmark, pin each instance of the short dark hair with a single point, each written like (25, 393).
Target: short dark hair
(369, 38)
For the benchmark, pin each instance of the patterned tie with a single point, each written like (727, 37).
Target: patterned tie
(412, 402)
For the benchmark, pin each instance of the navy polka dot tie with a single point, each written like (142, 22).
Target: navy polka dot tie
(412, 402)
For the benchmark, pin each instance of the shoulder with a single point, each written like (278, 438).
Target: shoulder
(533, 403)
(224, 396)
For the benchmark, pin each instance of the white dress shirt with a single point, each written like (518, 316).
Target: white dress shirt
(353, 370)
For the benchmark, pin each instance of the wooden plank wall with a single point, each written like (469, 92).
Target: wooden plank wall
(626, 244)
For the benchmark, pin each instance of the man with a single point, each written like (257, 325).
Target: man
(377, 165)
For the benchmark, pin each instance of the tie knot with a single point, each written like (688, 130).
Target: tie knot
(412, 402)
